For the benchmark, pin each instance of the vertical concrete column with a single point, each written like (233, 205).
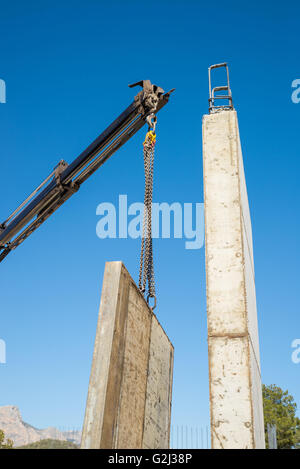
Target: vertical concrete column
(234, 362)
(130, 389)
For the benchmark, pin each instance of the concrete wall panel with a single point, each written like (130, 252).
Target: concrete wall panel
(130, 390)
(135, 368)
(235, 384)
(230, 393)
(159, 389)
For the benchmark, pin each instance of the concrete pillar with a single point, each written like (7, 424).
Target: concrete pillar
(234, 362)
(130, 389)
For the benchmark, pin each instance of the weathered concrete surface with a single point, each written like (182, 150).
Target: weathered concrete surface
(130, 390)
(159, 389)
(234, 362)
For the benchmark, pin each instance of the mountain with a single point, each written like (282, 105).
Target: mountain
(22, 433)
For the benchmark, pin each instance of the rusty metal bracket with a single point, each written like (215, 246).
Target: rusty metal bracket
(149, 98)
(58, 170)
(213, 91)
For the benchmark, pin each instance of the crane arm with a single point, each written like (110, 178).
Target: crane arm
(66, 179)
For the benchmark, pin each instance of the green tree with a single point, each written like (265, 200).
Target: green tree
(5, 444)
(50, 444)
(280, 409)
(297, 444)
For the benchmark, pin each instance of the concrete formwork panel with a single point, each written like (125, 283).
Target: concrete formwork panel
(159, 389)
(235, 382)
(130, 390)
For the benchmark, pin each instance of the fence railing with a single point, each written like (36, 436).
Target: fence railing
(189, 437)
(181, 436)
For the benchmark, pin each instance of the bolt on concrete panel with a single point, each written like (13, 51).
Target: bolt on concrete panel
(234, 362)
(130, 389)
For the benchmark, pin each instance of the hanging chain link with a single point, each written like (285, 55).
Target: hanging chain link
(146, 273)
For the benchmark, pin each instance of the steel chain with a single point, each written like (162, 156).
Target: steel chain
(146, 273)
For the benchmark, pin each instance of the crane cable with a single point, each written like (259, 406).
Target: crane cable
(146, 274)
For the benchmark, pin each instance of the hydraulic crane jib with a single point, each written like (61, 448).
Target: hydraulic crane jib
(67, 178)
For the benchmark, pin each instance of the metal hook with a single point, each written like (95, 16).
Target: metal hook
(151, 121)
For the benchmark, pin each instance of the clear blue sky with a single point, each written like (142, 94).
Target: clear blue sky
(67, 65)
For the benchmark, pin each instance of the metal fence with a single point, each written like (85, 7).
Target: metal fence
(189, 437)
(181, 436)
